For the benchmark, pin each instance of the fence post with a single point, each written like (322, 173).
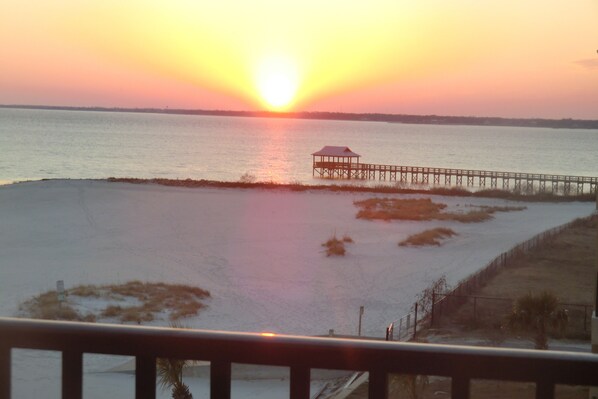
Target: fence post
(475, 303)
(415, 322)
(432, 310)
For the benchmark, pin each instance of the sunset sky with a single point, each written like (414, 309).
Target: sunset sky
(508, 58)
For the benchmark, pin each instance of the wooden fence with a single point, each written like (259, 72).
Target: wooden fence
(406, 327)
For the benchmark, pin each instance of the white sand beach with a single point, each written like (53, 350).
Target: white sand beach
(257, 251)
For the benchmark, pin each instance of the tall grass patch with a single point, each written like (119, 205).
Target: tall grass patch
(134, 301)
(336, 247)
(428, 237)
(422, 209)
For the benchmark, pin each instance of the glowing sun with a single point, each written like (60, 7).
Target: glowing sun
(277, 83)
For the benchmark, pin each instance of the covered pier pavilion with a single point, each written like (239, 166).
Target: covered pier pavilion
(335, 162)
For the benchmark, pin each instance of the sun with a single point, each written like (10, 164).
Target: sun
(277, 83)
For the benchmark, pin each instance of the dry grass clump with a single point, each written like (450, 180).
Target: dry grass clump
(428, 237)
(394, 208)
(112, 311)
(47, 306)
(134, 301)
(334, 246)
(422, 209)
(492, 209)
(347, 238)
(85, 291)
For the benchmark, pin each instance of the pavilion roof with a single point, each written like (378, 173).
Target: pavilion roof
(334, 151)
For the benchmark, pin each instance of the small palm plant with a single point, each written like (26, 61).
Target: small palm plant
(538, 314)
(170, 374)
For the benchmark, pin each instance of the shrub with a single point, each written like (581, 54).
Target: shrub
(247, 178)
(538, 314)
(426, 297)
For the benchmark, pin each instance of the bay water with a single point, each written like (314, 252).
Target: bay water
(38, 144)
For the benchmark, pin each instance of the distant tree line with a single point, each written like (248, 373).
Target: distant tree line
(567, 123)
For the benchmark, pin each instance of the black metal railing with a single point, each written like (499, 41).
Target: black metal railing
(300, 354)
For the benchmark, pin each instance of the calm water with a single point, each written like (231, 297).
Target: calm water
(36, 144)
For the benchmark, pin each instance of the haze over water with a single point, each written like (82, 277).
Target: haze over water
(38, 144)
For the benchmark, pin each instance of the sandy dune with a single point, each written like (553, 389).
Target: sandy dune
(258, 252)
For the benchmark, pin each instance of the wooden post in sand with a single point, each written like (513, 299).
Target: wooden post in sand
(360, 314)
(60, 292)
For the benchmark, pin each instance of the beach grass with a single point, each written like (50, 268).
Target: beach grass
(336, 247)
(134, 301)
(247, 182)
(428, 237)
(422, 209)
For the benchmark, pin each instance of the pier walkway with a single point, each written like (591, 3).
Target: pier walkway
(524, 182)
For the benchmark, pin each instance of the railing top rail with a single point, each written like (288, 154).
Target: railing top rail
(295, 351)
(481, 173)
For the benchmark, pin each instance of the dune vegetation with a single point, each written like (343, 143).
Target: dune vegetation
(334, 246)
(249, 181)
(428, 237)
(423, 209)
(131, 302)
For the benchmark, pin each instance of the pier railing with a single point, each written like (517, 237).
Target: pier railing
(300, 354)
(517, 181)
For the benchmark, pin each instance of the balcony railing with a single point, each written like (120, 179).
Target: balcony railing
(300, 354)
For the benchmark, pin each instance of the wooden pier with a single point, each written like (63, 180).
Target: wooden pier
(331, 165)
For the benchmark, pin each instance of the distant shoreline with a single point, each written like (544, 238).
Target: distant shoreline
(566, 123)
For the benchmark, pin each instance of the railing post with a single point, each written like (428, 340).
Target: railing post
(585, 318)
(300, 383)
(378, 384)
(145, 377)
(5, 368)
(72, 375)
(460, 388)
(220, 374)
(544, 390)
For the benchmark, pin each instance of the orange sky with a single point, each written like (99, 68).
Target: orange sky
(464, 57)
